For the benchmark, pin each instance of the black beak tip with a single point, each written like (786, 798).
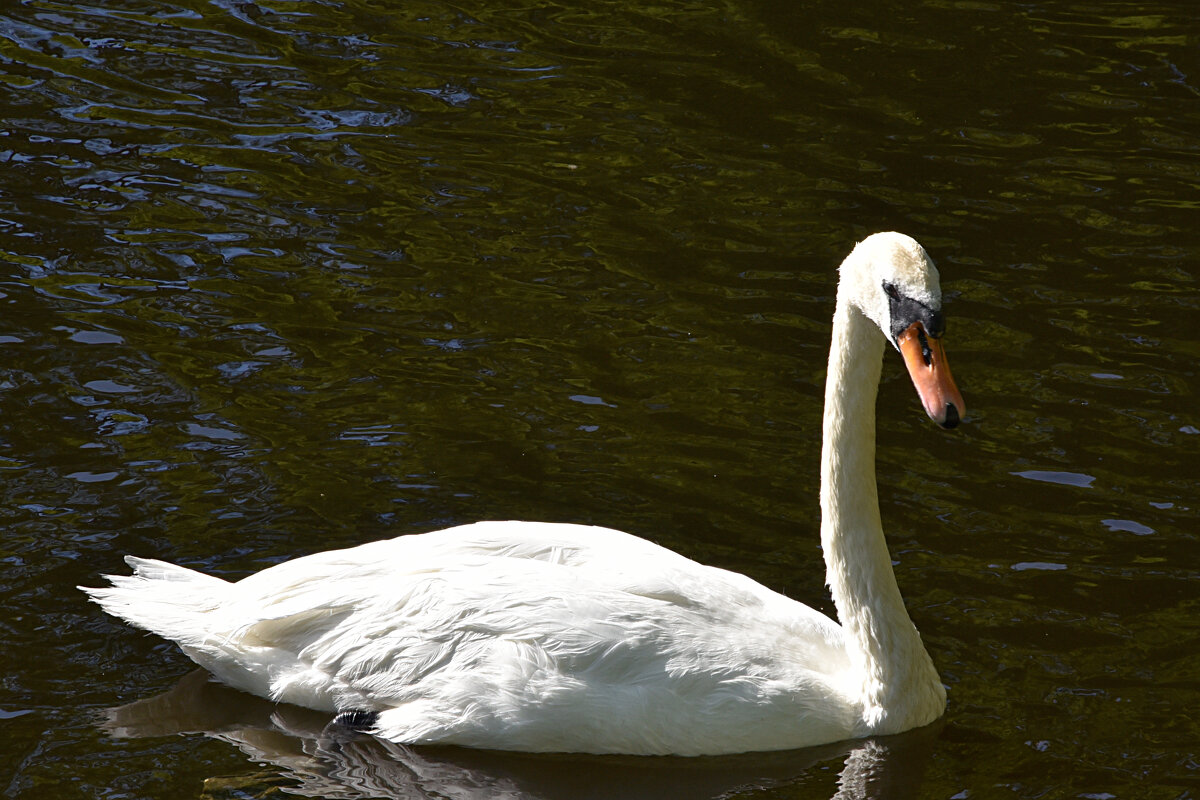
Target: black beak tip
(952, 419)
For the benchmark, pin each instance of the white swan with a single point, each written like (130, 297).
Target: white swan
(551, 637)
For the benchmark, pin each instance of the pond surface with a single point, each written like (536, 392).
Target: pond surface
(281, 277)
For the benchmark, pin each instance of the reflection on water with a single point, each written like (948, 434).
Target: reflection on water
(283, 277)
(315, 759)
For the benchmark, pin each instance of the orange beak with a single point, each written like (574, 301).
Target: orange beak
(926, 362)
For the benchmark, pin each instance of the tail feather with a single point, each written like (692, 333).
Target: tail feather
(165, 599)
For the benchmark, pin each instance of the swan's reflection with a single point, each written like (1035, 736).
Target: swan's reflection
(330, 764)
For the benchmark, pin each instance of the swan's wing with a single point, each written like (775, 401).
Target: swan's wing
(528, 629)
(294, 603)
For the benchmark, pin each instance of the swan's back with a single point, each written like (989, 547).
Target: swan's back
(521, 636)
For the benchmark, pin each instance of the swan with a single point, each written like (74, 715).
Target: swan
(546, 637)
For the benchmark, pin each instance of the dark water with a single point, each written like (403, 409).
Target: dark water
(288, 276)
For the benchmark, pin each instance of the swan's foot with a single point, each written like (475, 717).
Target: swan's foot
(357, 719)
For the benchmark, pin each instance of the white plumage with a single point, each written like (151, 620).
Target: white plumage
(554, 637)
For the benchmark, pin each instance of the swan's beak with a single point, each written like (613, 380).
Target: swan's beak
(926, 362)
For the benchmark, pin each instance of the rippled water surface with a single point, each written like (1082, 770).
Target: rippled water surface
(286, 276)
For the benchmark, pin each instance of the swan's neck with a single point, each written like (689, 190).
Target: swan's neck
(898, 678)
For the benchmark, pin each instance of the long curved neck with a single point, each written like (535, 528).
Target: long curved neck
(883, 644)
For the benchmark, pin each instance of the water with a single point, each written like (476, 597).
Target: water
(282, 277)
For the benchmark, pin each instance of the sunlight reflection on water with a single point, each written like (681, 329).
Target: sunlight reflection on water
(287, 278)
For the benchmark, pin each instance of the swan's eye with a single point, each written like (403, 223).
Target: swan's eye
(905, 311)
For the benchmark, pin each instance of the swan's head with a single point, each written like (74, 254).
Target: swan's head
(892, 280)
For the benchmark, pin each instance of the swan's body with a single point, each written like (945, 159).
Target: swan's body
(552, 637)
